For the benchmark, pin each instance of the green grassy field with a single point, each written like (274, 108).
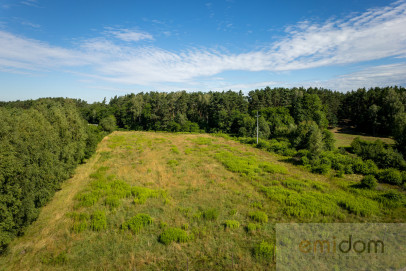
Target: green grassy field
(344, 138)
(161, 201)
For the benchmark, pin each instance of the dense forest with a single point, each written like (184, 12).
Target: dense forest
(42, 141)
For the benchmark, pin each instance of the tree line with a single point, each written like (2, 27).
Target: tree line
(283, 111)
(41, 143)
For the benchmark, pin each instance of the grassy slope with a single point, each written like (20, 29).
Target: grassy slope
(201, 175)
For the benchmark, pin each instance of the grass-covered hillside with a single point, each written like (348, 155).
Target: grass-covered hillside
(161, 201)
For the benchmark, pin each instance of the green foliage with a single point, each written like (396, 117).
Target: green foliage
(264, 251)
(173, 163)
(272, 168)
(210, 214)
(41, 143)
(390, 176)
(399, 132)
(369, 182)
(231, 224)
(141, 194)
(80, 222)
(108, 124)
(112, 201)
(137, 223)
(259, 216)
(170, 235)
(391, 199)
(256, 204)
(98, 221)
(358, 206)
(175, 150)
(383, 155)
(88, 198)
(185, 226)
(253, 227)
(247, 165)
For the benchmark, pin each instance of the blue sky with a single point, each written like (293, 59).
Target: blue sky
(96, 49)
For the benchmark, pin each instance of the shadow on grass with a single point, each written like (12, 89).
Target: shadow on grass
(291, 160)
(358, 186)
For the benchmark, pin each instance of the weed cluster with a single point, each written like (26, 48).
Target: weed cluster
(231, 224)
(136, 223)
(170, 235)
(259, 216)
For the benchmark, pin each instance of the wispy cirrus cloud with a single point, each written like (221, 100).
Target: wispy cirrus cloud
(20, 53)
(31, 3)
(374, 34)
(129, 35)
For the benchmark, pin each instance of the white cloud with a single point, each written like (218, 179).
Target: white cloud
(25, 54)
(30, 3)
(378, 76)
(375, 34)
(129, 35)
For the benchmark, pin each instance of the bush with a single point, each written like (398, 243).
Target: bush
(231, 224)
(404, 177)
(382, 154)
(369, 182)
(390, 176)
(258, 216)
(264, 251)
(138, 222)
(112, 201)
(211, 214)
(98, 221)
(321, 166)
(108, 124)
(367, 167)
(253, 227)
(174, 235)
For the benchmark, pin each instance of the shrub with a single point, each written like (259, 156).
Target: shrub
(367, 167)
(369, 182)
(390, 176)
(382, 154)
(258, 216)
(264, 251)
(231, 224)
(404, 177)
(174, 235)
(210, 214)
(173, 163)
(257, 204)
(112, 201)
(88, 199)
(253, 227)
(98, 221)
(141, 194)
(108, 123)
(185, 227)
(321, 166)
(80, 222)
(138, 222)
(359, 206)
(393, 196)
